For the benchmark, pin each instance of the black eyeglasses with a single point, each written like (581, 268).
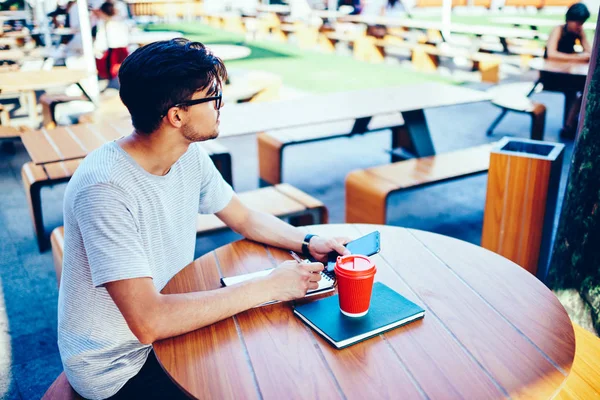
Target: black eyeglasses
(218, 102)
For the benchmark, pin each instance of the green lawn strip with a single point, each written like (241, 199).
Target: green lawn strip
(306, 70)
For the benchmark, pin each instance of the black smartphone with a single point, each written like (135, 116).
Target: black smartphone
(366, 246)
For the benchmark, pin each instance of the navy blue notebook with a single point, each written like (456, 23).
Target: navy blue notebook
(388, 310)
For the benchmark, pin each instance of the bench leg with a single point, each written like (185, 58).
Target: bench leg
(538, 122)
(494, 124)
(364, 205)
(35, 209)
(413, 136)
(270, 151)
(326, 44)
(314, 216)
(223, 164)
(423, 61)
(490, 70)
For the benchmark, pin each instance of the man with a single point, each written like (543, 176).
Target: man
(130, 214)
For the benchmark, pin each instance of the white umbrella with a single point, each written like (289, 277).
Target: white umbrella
(85, 30)
(446, 15)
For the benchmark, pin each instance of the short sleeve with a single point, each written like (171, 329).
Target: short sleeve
(215, 193)
(110, 234)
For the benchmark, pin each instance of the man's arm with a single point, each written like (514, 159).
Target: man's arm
(266, 228)
(587, 47)
(152, 316)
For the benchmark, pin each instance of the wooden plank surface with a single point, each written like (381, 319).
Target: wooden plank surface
(422, 170)
(281, 350)
(504, 353)
(212, 359)
(513, 295)
(248, 118)
(472, 343)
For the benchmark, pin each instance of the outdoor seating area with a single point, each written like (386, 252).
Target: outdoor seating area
(465, 133)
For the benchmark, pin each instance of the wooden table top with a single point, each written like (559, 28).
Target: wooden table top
(560, 67)
(248, 118)
(490, 330)
(18, 81)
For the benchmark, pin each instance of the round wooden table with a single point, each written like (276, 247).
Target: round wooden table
(490, 330)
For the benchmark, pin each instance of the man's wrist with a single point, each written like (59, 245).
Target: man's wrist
(306, 245)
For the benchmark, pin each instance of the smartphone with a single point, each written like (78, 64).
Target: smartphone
(367, 245)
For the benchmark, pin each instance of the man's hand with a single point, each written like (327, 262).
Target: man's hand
(320, 247)
(292, 280)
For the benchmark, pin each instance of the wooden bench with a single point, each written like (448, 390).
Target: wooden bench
(425, 57)
(271, 144)
(35, 177)
(515, 97)
(583, 383)
(367, 190)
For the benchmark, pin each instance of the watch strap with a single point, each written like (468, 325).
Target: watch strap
(305, 243)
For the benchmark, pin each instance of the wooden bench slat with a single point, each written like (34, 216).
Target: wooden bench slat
(9, 132)
(268, 200)
(420, 171)
(298, 195)
(106, 132)
(62, 170)
(69, 145)
(367, 190)
(583, 382)
(39, 148)
(86, 136)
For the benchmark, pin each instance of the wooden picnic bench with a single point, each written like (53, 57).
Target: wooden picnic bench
(368, 190)
(57, 153)
(314, 118)
(425, 57)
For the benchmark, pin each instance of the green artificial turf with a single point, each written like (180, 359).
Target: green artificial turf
(305, 70)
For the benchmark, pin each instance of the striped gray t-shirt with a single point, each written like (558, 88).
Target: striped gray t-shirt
(122, 222)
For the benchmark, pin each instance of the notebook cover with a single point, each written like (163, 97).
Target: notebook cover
(387, 307)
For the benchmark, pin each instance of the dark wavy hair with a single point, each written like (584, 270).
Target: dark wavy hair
(157, 76)
(578, 12)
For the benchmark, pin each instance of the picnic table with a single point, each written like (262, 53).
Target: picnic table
(359, 105)
(30, 81)
(491, 330)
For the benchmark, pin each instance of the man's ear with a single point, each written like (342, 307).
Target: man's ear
(174, 118)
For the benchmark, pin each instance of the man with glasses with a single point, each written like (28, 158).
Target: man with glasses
(130, 226)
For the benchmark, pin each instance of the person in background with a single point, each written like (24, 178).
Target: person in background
(382, 8)
(562, 40)
(112, 38)
(561, 46)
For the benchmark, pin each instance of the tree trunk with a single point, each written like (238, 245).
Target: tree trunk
(575, 259)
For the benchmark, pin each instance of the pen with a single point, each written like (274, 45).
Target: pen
(297, 257)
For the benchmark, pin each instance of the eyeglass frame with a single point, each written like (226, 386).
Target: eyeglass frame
(187, 103)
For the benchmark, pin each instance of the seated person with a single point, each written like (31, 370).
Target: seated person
(561, 47)
(130, 226)
(562, 40)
